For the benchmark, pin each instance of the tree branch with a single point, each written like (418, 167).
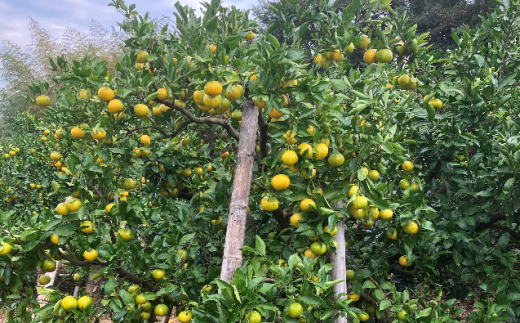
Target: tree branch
(263, 135)
(221, 122)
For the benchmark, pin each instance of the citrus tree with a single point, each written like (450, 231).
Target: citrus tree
(235, 177)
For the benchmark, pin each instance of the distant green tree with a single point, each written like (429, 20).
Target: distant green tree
(20, 67)
(440, 17)
(443, 17)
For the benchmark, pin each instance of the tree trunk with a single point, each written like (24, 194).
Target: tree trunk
(94, 287)
(236, 228)
(339, 269)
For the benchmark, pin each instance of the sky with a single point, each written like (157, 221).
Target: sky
(56, 15)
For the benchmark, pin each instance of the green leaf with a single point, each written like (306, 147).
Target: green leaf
(362, 274)
(384, 304)
(126, 297)
(260, 246)
(66, 229)
(110, 286)
(211, 26)
(339, 85)
(273, 40)
(425, 313)
(186, 238)
(361, 174)
(274, 26)
(51, 224)
(313, 300)
(298, 196)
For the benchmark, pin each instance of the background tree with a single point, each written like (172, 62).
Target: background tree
(21, 67)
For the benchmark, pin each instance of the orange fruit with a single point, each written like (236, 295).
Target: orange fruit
(84, 302)
(358, 214)
(142, 57)
(73, 205)
(289, 157)
(198, 97)
(213, 88)
(307, 205)
(295, 220)
(126, 234)
(333, 233)
(48, 266)
(88, 228)
(280, 182)
(410, 228)
(364, 42)
(145, 140)
(54, 238)
(322, 151)
(269, 204)
(6, 249)
(403, 261)
(404, 184)
(391, 234)
(321, 59)
(43, 101)
(289, 136)
(370, 56)
(77, 133)
(90, 255)
(44, 280)
(336, 160)
(350, 49)
(360, 202)
(319, 248)
(306, 147)
(140, 299)
(106, 93)
(69, 303)
(407, 166)
(158, 274)
(141, 110)
(185, 317)
(250, 35)
(353, 296)
(98, 134)
(184, 254)
(61, 209)
(384, 56)
(162, 94)
(212, 102)
(235, 94)
(295, 310)
(161, 310)
(115, 106)
(275, 114)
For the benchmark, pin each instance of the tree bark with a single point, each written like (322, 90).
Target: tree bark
(94, 287)
(236, 228)
(339, 269)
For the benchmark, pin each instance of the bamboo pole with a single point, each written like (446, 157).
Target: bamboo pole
(339, 269)
(236, 227)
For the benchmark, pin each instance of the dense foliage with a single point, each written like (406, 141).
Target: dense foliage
(128, 177)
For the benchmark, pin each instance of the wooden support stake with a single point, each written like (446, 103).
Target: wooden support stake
(236, 228)
(339, 268)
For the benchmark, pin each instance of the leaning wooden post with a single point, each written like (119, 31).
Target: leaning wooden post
(339, 269)
(236, 228)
